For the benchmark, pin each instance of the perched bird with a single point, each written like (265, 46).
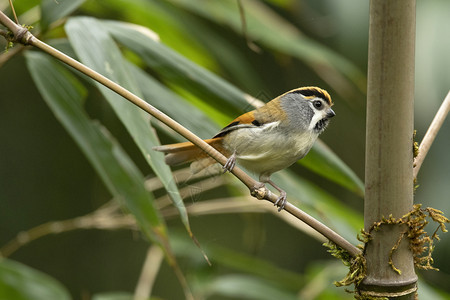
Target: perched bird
(265, 140)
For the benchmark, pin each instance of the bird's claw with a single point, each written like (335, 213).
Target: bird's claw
(281, 201)
(259, 191)
(231, 162)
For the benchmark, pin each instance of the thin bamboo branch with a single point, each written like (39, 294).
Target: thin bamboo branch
(149, 272)
(24, 36)
(13, 11)
(431, 133)
(8, 23)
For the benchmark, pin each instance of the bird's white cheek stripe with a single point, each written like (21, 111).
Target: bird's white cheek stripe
(316, 118)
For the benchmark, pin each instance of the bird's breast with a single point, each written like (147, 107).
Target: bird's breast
(267, 150)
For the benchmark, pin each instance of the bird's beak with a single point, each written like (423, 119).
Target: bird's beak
(330, 113)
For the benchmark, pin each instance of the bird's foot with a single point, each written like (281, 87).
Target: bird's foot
(231, 162)
(281, 201)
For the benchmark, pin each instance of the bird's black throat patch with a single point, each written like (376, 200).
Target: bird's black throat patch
(321, 125)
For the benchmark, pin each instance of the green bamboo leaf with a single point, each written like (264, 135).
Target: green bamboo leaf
(266, 27)
(201, 82)
(52, 10)
(118, 296)
(246, 287)
(176, 107)
(164, 19)
(322, 160)
(20, 282)
(320, 204)
(177, 70)
(320, 277)
(113, 296)
(184, 31)
(239, 262)
(258, 267)
(96, 49)
(63, 94)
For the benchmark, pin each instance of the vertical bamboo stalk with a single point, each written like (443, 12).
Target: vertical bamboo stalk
(389, 140)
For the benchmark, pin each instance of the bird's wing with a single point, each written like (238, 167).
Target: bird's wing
(253, 119)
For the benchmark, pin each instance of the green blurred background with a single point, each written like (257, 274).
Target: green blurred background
(45, 177)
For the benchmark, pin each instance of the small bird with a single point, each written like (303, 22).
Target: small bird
(264, 140)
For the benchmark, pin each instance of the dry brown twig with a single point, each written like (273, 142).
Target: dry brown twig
(149, 273)
(107, 217)
(431, 133)
(110, 217)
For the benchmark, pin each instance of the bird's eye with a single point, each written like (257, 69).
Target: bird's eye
(317, 104)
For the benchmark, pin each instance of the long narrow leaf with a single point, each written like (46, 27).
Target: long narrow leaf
(19, 282)
(176, 69)
(113, 296)
(176, 107)
(240, 262)
(96, 49)
(320, 204)
(326, 163)
(266, 27)
(246, 287)
(52, 10)
(63, 94)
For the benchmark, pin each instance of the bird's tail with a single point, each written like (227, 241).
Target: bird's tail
(188, 152)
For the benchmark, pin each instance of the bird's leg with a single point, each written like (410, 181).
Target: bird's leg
(282, 199)
(231, 162)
